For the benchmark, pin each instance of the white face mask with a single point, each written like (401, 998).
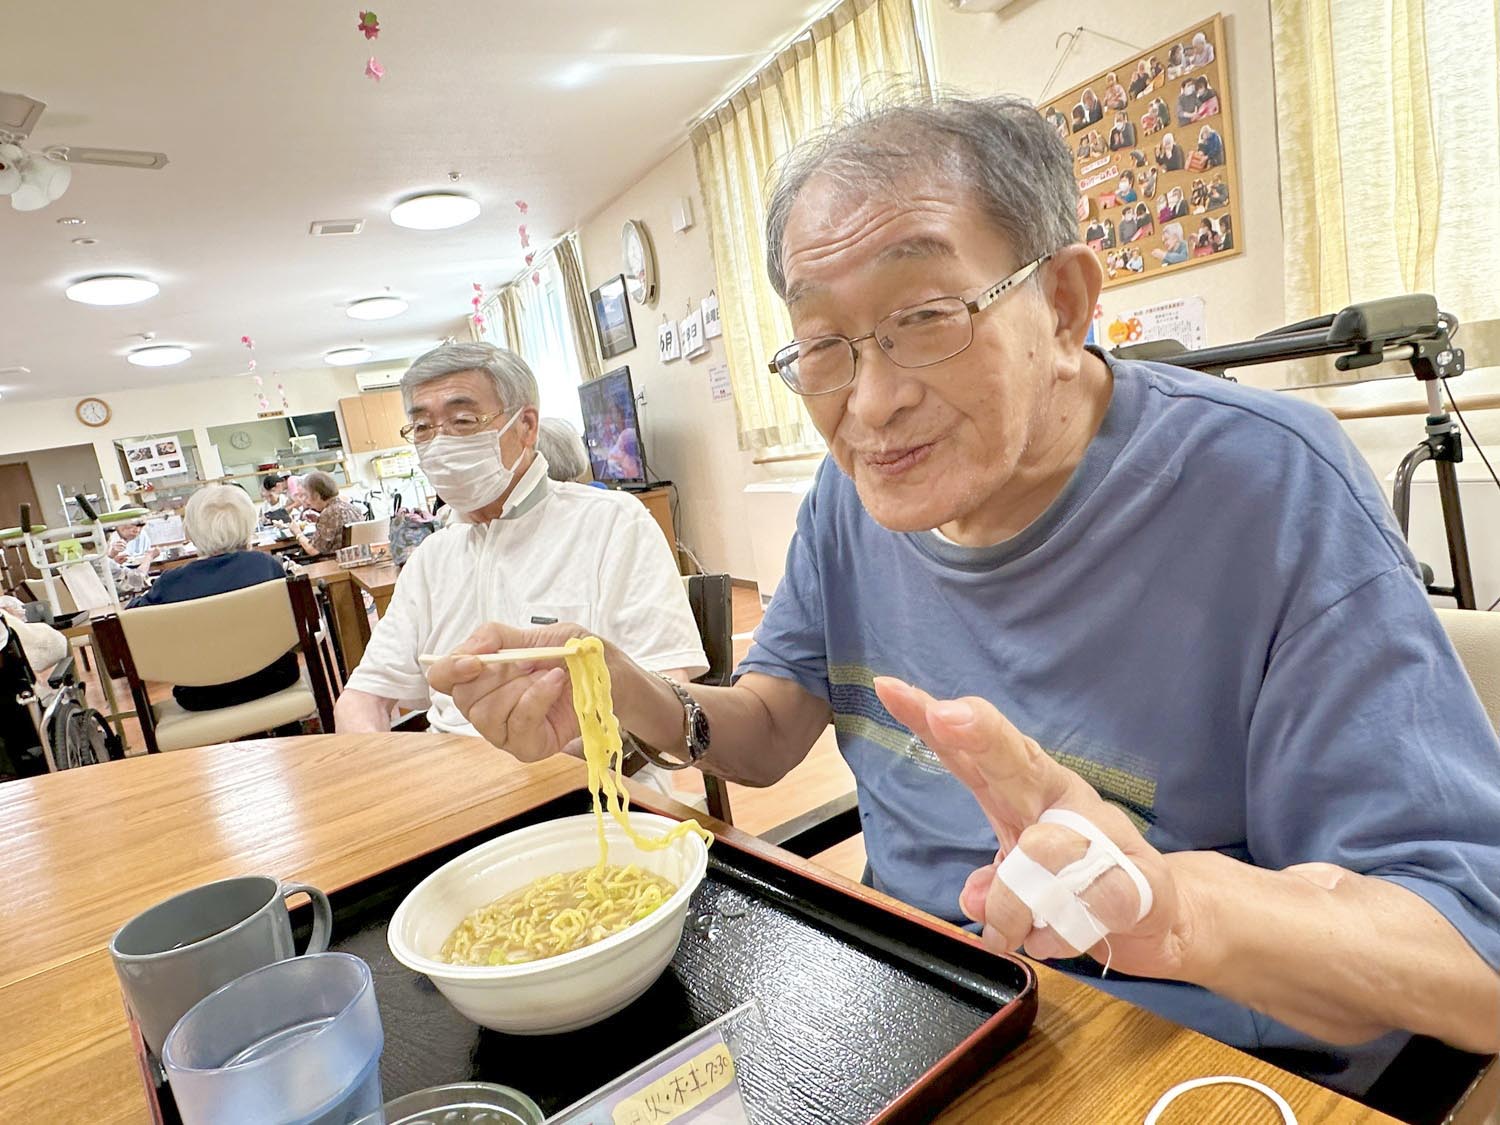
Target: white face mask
(468, 472)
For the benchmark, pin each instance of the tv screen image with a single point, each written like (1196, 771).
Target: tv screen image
(611, 428)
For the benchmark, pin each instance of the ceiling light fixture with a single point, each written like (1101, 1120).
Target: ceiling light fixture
(112, 289)
(346, 357)
(376, 308)
(436, 210)
(85, 242)
(70, 221)
(159, 355)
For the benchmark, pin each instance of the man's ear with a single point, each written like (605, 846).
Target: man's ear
(530, 424)
(1076, 278)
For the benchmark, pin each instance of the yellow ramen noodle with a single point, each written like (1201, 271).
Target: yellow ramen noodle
(556, 914)
(559, 913)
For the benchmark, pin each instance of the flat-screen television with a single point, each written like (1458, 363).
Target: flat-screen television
(611, 429)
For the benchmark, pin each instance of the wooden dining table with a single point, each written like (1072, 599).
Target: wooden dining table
(89, 848)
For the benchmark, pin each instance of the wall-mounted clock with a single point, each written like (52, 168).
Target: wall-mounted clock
(639, 261)
(93, 412)
(239, 439)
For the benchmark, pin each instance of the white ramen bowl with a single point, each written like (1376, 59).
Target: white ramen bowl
(571, 990)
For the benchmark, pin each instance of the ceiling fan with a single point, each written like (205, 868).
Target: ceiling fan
(34, 178)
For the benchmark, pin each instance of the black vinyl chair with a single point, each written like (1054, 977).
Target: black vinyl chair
(710, 597)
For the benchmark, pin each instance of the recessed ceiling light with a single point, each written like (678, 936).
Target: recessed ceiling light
(70, 221)
(377, 308)
(437, 210)
(85, 242)
(347, 357)
(112, 289)
(159, 355)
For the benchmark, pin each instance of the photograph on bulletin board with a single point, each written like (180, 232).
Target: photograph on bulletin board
(1154, 156)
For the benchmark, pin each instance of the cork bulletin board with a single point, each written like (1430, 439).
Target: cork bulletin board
(1154, 156)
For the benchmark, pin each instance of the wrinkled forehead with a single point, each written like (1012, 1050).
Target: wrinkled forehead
(459, 391)
(921, 213)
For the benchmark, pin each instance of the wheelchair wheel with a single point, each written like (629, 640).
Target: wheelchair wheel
(80, 737)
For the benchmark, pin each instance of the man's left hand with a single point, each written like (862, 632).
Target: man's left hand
(1015, 782)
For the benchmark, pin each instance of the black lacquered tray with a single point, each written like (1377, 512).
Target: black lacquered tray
(867, 1014)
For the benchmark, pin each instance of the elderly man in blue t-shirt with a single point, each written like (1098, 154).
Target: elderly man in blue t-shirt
(1127, 661)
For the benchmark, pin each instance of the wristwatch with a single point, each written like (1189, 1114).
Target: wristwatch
(695, 736)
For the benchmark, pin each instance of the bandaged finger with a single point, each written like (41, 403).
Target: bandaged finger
(1056, 899)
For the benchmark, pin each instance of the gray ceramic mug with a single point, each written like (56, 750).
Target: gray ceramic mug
(174, 954)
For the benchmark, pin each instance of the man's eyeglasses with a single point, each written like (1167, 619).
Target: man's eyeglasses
(460, 425)
(919, 336)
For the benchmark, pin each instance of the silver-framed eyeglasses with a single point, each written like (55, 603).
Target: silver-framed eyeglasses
(460, 425)
(917, 336)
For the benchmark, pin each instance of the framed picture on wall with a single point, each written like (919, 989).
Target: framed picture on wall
(612, 317)
(1154, 156)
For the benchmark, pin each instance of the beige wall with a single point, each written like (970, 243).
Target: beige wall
(690, 439)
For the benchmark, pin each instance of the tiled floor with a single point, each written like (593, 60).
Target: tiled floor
(821, 777)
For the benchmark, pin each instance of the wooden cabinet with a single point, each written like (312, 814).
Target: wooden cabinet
(658, 502)
(373, 421)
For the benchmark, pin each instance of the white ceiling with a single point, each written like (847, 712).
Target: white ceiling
(270, 123)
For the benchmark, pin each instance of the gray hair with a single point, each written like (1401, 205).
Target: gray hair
(219, 519)
(513, 380)
(998, 148)
(321, 484)
(559, 443)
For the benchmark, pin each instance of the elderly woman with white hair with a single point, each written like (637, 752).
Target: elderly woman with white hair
(220, 520)
(562, 447)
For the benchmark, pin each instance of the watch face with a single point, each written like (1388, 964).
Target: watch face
(698, 731)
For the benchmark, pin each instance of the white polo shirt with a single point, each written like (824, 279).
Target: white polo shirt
(565, 552)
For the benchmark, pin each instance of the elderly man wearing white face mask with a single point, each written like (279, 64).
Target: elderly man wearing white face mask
(526, 550)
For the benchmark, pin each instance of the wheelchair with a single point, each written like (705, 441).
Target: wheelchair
(48, 727)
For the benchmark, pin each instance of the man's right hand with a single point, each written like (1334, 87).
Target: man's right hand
(525, 709)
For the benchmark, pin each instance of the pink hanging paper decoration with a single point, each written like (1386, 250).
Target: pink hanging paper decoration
(525, 238)
(536, 278)
(374, 70)
(476, 302)
(531, 257)
(369, 23)
(260, 395)
(521, 206)
(285, 405)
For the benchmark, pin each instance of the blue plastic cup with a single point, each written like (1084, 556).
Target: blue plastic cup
(294, 1043)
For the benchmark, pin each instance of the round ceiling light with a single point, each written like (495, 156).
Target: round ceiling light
(347, 357)
(112, 289)
(377, 308)
(437, 210)
(159, 355)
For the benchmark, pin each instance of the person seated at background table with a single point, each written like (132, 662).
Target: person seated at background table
(562, 447)
(273, 498)
(332, 512)
(1176, 607)
(525, 549)
(220, 520)
(130, 545)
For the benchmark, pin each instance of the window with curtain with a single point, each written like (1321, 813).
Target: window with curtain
(548, 322)
(1389, 142)
(858, 46)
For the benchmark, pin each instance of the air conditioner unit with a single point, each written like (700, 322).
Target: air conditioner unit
(969, 6)
(378, 380)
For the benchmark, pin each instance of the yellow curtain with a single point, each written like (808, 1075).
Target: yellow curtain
(736, 148)
(580, 314)
(1376, 199)
(509, 302)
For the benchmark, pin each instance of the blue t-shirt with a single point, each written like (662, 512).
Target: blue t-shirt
(1216, 623)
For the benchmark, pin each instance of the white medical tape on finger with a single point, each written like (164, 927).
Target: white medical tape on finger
(1287, 1116)
(1054, 899)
